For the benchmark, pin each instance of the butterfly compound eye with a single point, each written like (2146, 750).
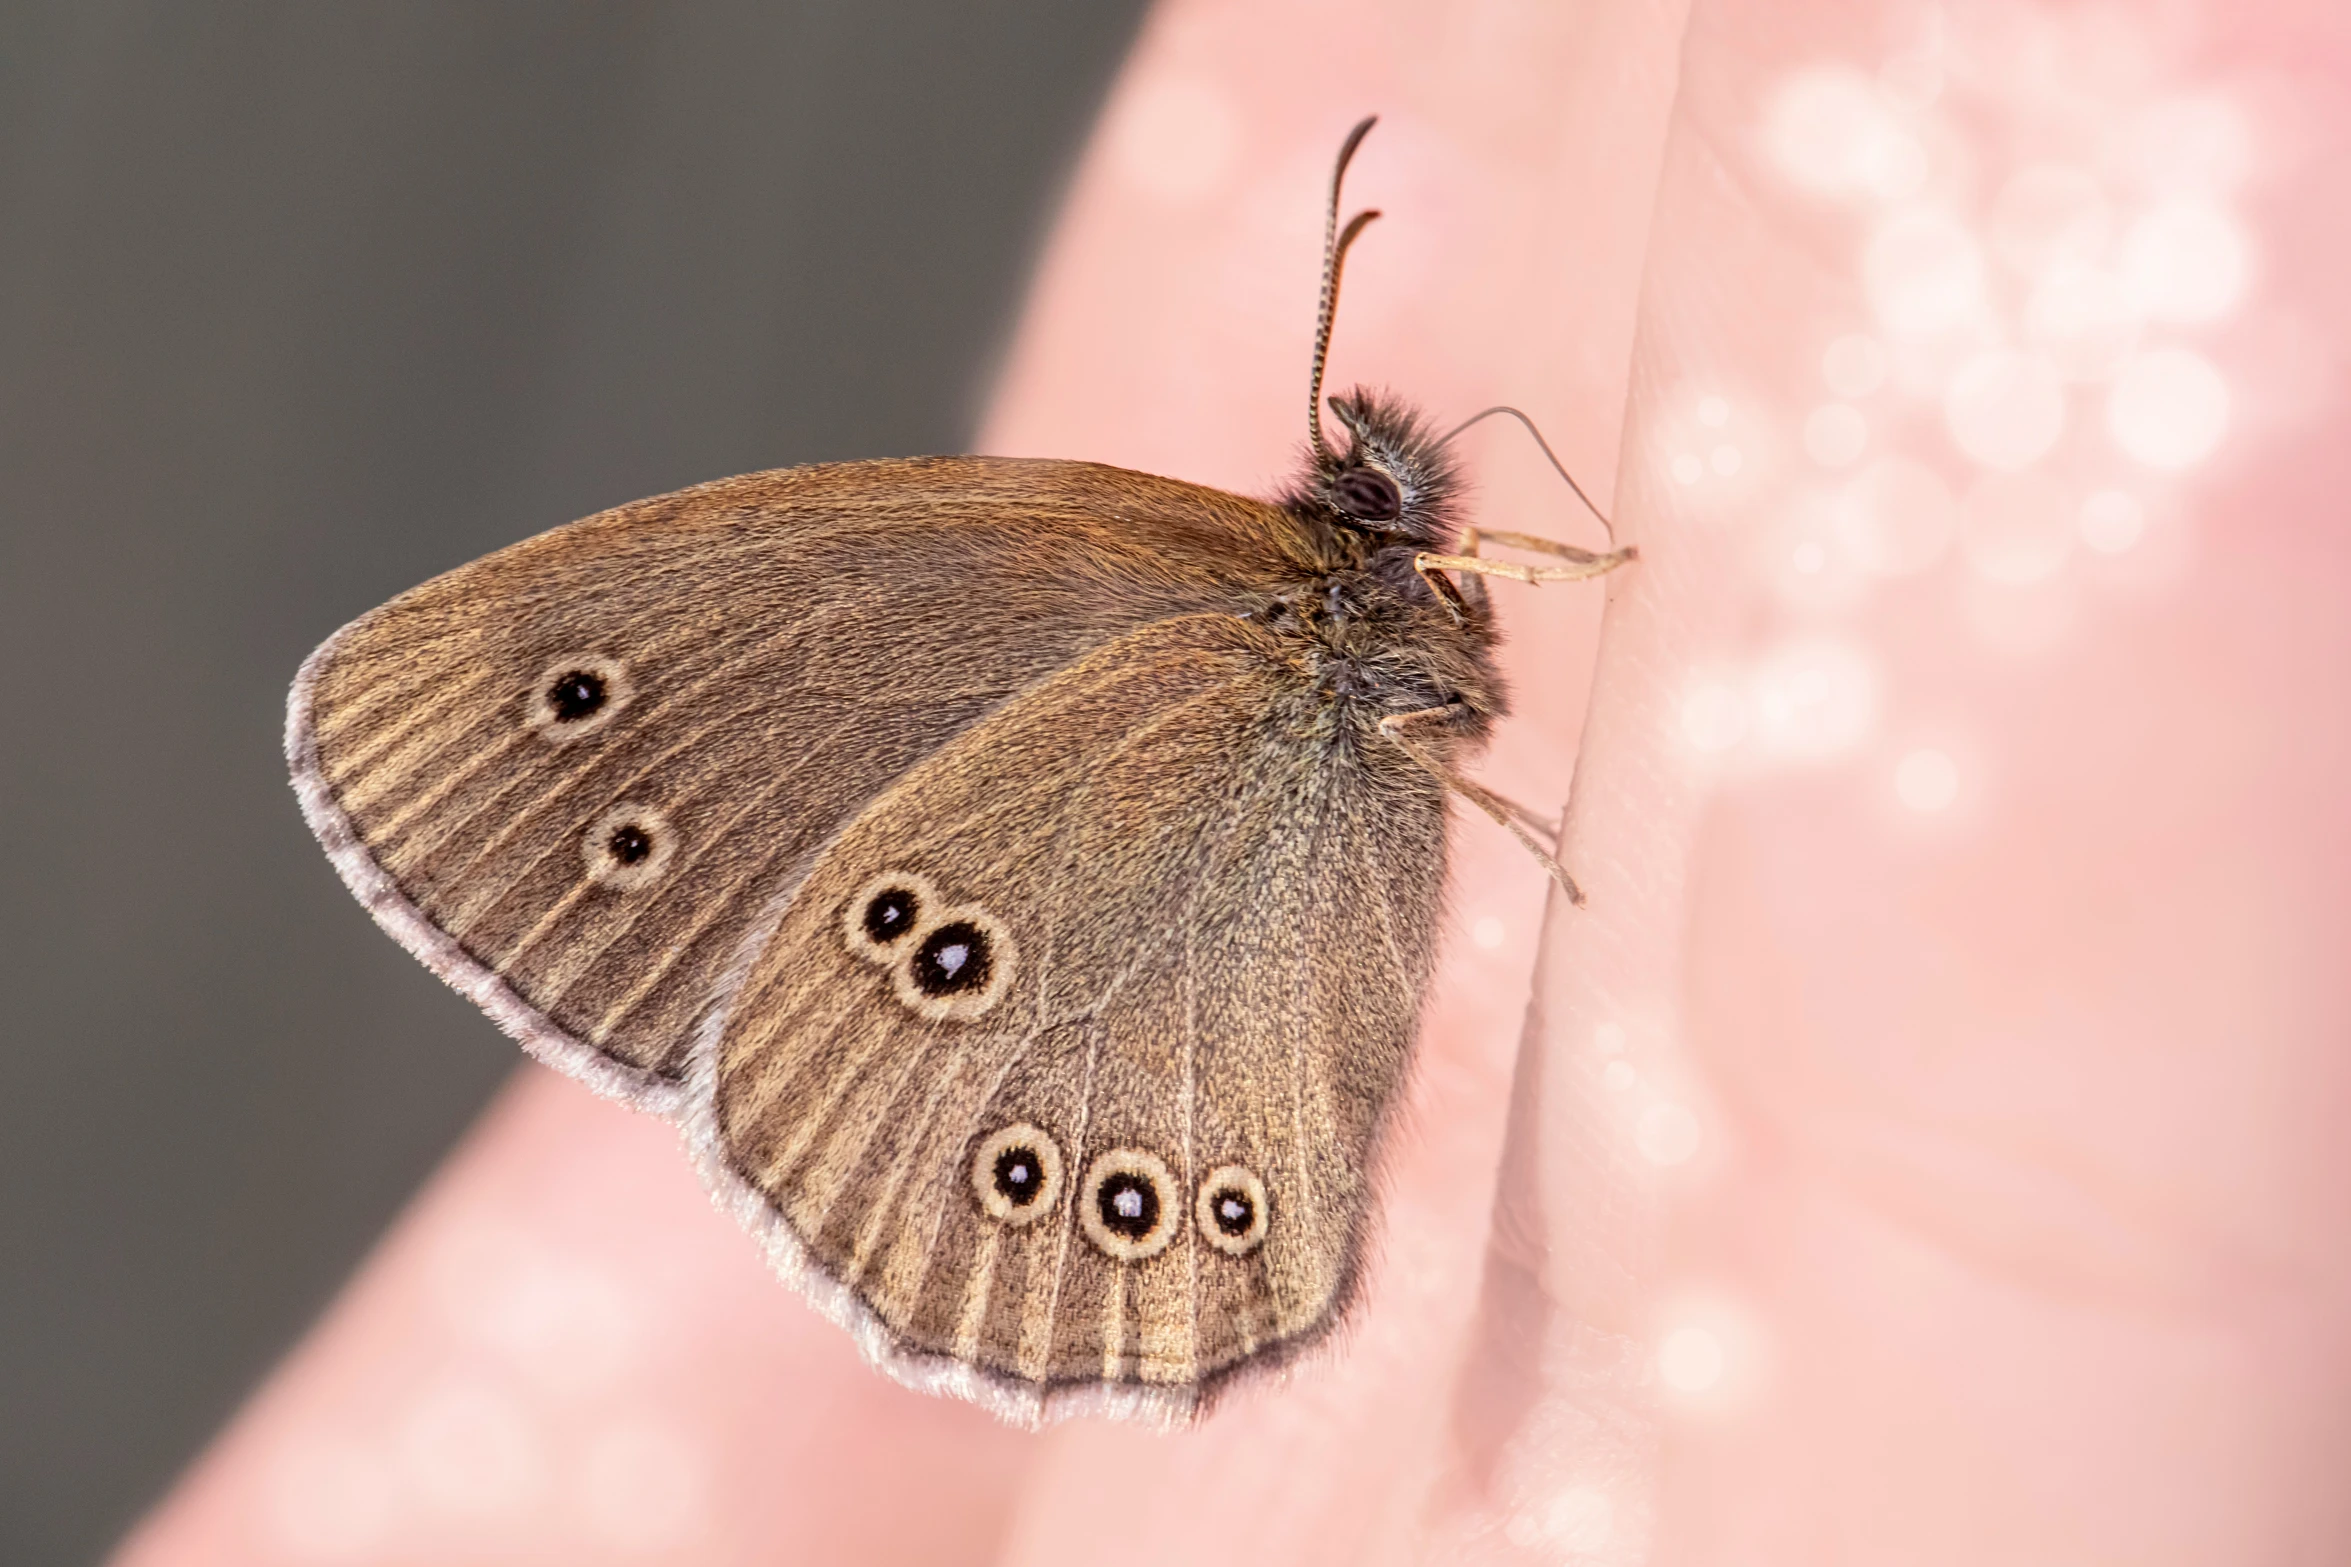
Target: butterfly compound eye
(628, 847)
(1016, 1174)
(575, 697)
(1232, 1211)
(1368, 494)
(1128, 1207)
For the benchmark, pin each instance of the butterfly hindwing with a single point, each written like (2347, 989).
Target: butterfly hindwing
(575, 775)
(1202, 899)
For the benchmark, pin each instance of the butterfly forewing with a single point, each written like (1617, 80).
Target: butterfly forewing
(575, 775)
(1157, 854)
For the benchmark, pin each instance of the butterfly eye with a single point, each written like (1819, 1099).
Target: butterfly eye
(1368, 494)
(1232, 1210)
(958, 967)
(628, 847)
(578, 696)
(1128, 1208)
(1016, 1174)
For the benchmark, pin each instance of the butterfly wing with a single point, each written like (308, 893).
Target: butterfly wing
(1060, 1081)
(573, 776)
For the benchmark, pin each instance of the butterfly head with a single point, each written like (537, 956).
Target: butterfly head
(1394, 480)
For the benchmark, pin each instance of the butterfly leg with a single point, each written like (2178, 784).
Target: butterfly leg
(1526, 816)
(1581, 563)
(1431, 572)
(1472, 536)
(1400, 728)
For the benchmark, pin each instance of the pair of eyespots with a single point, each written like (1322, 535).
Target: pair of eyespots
(630, 845)
(1127, 1204)
(945, 961)
(576, 697)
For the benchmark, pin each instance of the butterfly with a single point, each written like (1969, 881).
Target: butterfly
(1017, 878)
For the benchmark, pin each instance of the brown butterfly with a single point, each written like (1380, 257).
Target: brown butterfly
(1018, 878)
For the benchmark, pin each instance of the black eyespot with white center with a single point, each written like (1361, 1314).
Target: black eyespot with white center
(1019, 1176)
(575, 694)
(879, 923)
(1128, 1207)
(1016, 1174)
(954, 960)
(890, 914)
(576, 697)
(1367, 494)
(1232, 1212)
(628, 847)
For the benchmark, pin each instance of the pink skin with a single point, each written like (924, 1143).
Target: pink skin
(1880, 1183)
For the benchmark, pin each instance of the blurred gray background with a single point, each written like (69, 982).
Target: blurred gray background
(300, 305)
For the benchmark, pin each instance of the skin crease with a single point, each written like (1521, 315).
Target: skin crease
(2016, 1177)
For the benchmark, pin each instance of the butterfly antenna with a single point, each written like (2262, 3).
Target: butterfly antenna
(1334, 256)
(1557, 466)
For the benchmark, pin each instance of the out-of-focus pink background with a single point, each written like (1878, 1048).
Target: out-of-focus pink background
(1929, 1145)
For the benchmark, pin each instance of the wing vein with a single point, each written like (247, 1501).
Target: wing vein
(1311, 1009)
(1019, 1053)
(1076, 1176)
(396, 735)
